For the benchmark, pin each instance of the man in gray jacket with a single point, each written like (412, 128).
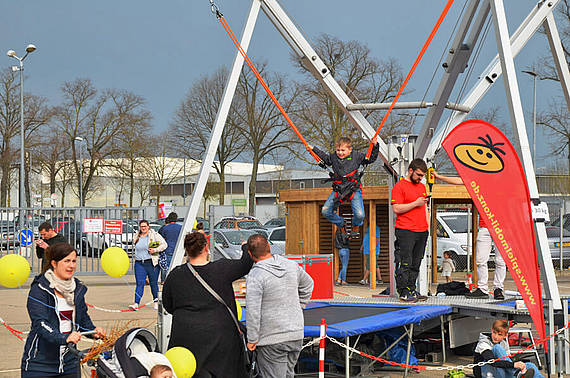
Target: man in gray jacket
(277, 290)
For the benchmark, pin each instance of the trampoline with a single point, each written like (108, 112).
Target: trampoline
(351, 319)
(347, 319)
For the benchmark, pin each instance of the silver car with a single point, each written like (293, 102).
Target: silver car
(553, 234)
(228, 242)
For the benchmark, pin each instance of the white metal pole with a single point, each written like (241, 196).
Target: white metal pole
(534, 126)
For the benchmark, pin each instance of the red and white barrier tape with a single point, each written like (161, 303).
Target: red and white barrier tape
(15, 332)
(123, 310)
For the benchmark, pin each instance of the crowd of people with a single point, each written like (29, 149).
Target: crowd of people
(200, 296)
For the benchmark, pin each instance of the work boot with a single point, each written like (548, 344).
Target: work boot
(420, 297)
(477, 293)
(498, 294)
(407, 296)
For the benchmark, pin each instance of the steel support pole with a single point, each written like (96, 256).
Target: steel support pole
(558, 55)
(391, 240)
(410, 333)
(213, 143)
(347, 359)
(566, 338)
(519, 130)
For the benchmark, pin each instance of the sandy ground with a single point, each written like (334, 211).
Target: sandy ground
(117, 293)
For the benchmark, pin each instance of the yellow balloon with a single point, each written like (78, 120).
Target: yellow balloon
(14, 270)
(239, 311)
(195, 225)
(115, 261)
(182, 360)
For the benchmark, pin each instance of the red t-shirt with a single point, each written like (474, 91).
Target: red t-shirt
(406, 192)
(482, 222)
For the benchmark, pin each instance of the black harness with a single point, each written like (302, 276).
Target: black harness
(345, 186)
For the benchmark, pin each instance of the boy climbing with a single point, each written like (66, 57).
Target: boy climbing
(346, 185)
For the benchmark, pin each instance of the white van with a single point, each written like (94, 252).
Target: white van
(454, 234)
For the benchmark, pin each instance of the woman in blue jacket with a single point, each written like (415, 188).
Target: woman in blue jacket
(57, 309)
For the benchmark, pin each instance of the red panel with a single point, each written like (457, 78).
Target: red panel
(320, 268)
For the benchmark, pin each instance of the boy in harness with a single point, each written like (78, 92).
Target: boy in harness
(346, 185)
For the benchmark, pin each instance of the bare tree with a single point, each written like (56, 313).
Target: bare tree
(191, 127)
(364, 78)
(99, 118)
(52, 154)
(557, 123)
(161, 170)
(545, 66)
(142, 187)
(260, 122)
(36, 114)
(133, 146)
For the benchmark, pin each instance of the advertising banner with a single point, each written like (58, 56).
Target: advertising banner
(494, 177)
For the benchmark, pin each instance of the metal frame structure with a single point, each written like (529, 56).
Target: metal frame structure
(466, 37)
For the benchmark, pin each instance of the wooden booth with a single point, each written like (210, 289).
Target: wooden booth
(308, 232)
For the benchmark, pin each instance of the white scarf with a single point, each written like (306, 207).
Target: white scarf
(65, 287)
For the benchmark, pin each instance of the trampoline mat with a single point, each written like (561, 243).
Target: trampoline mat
(339, 314)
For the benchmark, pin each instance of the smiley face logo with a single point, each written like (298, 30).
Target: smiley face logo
(482, 157)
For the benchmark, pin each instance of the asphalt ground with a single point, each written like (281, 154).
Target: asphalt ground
(117, 293)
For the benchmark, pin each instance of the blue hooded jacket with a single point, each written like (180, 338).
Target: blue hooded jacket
(45, 353)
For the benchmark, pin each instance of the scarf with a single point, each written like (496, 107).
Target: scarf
(65, 287)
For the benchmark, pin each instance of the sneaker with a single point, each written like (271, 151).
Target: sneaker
(155, 305)
(406, 296)
(134, 306)
(363, 282)
(498, 294)
(379, 282)
(338, 282)
(420, 297)
(477, 293)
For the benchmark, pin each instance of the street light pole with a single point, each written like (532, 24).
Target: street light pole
(534, 75)
(11, 53)
(80, 139)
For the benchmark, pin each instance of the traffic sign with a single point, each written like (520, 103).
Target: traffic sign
(26, 237)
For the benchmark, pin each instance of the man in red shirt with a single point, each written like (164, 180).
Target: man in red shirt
(409, 198)
(484, 247)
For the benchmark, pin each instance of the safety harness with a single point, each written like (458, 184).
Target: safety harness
(345, 186)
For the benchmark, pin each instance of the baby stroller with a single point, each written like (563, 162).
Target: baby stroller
(133, 355)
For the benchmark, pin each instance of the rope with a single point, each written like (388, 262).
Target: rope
(418, 59)
(123, 310)
(220, 17)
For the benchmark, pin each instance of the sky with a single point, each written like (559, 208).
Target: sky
(159, 49)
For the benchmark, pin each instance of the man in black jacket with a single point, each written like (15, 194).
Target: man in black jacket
(48, 237)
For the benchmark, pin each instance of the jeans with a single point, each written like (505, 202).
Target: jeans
(499, 351)
(357, 210)
(142, 270)
(409, 251)
(344, 254)
(164, 272)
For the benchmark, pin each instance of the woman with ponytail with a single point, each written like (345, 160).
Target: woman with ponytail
(200, 322)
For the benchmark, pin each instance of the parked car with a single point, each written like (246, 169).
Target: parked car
(227, 243)
(452, 231)
(553, 234)
(275, 222)
(277, 240)
(97, 242)
(246, 223)
(8, 234)
(565, 222)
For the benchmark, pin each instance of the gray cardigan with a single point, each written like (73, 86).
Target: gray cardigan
(277, 290)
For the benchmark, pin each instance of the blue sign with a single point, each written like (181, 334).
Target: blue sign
(26, 237)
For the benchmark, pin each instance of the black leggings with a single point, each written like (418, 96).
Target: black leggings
(408, 254)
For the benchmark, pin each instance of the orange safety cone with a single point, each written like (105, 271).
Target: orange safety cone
(470, 282)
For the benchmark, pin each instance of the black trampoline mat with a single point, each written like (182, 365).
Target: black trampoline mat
(338, 314)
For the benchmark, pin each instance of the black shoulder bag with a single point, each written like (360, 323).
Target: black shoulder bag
(250, 355)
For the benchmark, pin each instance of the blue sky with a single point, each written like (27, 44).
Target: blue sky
(158, 49)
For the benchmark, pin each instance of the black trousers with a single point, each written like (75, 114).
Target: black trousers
(408, 253)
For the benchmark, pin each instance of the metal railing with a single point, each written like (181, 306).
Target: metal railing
(19, 232)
